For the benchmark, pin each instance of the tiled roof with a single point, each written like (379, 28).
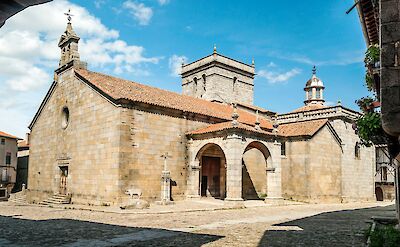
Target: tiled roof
(118, 89)
(255, 108)
(305, 128)
(4, 134)
(224, 126)
(310, 107)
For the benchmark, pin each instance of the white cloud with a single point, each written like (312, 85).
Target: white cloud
(29, 52)
(271, 65)
(175, 64)
(163, 2)
(275, 77)
(140, 12)
(99, 3)
(342, 58)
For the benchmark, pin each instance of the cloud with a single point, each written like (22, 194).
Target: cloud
(140, 12)
(271, 65)
(275, 77)
(29, 52)
(99, 3)
(175, 64)
(163, 2)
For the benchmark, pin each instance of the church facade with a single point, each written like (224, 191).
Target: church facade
(96, 137)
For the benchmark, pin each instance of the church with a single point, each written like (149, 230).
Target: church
(96, 137)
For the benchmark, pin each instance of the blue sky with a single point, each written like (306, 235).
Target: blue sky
(145, 40)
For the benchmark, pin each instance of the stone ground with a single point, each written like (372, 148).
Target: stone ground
(289, 225)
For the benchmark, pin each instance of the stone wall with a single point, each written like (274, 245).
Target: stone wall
(89, 145)
(152, 134)
(309, 172)
(357, 172)
(254, 174)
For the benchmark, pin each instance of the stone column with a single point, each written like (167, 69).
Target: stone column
(234, 154)
(193, 190)
(274, 187)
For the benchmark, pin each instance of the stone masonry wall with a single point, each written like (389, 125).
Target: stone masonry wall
(357, 173)
(89, 146)
(152, 135)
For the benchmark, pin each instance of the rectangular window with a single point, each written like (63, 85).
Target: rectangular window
(318, 94)
(384, 173)
(283, 148)
(3, 141)
(8, 158)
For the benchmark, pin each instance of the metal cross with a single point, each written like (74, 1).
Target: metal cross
(165, 156)
(69, 18)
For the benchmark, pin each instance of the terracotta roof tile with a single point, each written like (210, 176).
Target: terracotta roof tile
(4, 134)
(224, 126)
(119, 89)
(310, 107)
(305, 128)
(23, 144)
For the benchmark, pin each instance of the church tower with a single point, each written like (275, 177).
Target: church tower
(314, 90)
(219, 78)
(69, 48)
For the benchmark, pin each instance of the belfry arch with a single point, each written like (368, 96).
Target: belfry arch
(256, 158)
(212, 177)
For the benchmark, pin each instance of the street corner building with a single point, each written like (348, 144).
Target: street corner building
(8, 163)
(97, 138)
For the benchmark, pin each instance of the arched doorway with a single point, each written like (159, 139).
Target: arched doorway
(254, 173)
(379, 193)
(213, 171)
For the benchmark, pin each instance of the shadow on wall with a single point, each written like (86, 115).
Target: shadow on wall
(67, 232)
(339, 228)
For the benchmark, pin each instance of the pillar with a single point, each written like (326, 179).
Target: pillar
(193, 189)
(274, 177)
(234, 153)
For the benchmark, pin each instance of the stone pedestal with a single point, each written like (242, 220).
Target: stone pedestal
(165, 189)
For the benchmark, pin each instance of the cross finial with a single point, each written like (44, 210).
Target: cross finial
(314, 70)
(69, 18)
(215, 48)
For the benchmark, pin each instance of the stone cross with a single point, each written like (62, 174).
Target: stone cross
(165, 157)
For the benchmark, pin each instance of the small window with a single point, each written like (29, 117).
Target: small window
(8, 158)
(384, 173)
(3, 141)
(65, 118)
(357, 150)
(318, 94)
(283, 148)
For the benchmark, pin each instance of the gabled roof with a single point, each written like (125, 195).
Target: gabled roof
(4, 134)
(119, 89)
(225, 126)
(305, 128)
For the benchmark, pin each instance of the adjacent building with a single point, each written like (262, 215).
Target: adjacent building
(8, 163)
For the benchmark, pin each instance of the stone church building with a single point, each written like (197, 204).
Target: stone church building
(95, 137)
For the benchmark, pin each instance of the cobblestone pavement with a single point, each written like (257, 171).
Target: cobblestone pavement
(290, 225)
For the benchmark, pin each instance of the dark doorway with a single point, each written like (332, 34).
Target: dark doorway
(379, 194)
(210, 176)
(63, 180)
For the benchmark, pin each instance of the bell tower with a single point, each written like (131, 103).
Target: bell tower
(69, 48)
(314, 90)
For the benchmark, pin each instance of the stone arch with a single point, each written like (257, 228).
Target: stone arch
(379, 193)
(212, 177)
(256, 157)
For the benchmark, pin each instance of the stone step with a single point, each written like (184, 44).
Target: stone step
(56, 199)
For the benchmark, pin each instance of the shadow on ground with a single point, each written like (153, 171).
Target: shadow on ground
(338, 228)
(68, 232)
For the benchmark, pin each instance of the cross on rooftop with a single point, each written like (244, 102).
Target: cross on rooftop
(69, 18)
(314, 70)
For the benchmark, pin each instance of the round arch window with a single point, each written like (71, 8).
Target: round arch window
(65, 118)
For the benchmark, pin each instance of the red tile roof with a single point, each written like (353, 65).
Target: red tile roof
(224, 126)
(23, 144)
(305, 128)
(4, 134)
(118, 89)
(310, 107)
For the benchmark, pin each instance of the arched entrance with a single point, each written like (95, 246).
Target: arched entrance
(212, 179)
(379, 193)
(254, 173)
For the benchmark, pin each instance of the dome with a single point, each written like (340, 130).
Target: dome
(314, 81)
